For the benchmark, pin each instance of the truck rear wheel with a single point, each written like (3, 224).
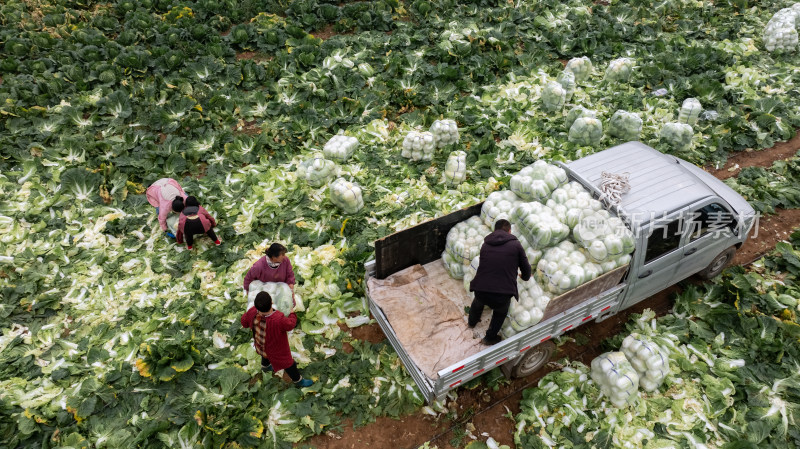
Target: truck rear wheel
(534, 359)
(718, 264)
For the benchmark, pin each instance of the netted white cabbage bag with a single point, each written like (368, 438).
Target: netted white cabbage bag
(564, 267)
(780, 34)
(538, 224)
(346, 195)
(281, 295)
(650, 361)
(625, 125)
(581, 67)
(536, 181)
(455, 169)
(499, 205)
(586, 131)
(418, 146)
(340, 147)
(677, 135)
(317, 171)
(616, 378)
(445, 132)
(620, 70)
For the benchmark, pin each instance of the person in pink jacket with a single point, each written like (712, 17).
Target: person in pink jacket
(274, 267)
(161, 195)
(195, 220)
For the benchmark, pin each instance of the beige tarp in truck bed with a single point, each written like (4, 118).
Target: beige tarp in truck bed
(425, 307)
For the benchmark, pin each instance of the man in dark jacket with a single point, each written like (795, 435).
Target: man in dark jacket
(496, 280)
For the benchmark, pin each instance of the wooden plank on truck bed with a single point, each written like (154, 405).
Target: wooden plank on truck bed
(570, 299)
(420, 244)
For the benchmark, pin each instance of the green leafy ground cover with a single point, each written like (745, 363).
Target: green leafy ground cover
(734, 381)
(113, 337)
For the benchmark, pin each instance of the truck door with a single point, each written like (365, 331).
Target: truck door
(656, 259)
(710, 231)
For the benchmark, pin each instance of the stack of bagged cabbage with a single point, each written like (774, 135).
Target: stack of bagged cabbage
(568, 236)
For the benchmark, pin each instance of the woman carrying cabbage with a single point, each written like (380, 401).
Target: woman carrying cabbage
(274, 267)
(160, 195)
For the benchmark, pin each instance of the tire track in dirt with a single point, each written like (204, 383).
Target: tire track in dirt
(488, 411)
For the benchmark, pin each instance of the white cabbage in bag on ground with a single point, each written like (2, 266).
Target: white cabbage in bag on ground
(455, 169)
(625, 125)
(616, 378)
(340, 148)
(564, 267)
(649, 360)
(536, 181)
(677, 135)
(620, 70)
(346, 196)
(780, 34)
(538, 224)
(499, 205)
(690, 111)
(581, 67)
(575, 113)
(445, 132)
(316, 171)
(567, 81)
(464, 240)
(418, 146)
(172, 223)
(553, 97)
(281, 296)
(586, 131)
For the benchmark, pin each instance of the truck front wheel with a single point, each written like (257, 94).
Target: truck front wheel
(718, 264)
(534, 359)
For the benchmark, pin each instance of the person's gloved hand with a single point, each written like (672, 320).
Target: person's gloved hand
(170, 235)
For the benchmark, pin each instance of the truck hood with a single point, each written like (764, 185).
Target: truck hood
(739, 204)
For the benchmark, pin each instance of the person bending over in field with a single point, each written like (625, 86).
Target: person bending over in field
(270, 337)
(161, 195)
(194, 220)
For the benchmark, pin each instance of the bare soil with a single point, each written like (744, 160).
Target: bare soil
(754, 158)
(256, 56)
(488, 410)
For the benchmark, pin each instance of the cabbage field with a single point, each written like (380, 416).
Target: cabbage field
(111, 335)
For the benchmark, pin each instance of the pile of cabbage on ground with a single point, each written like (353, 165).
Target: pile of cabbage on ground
(732, 381)
(113, 336)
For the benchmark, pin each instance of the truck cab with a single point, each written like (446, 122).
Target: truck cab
(685, 220)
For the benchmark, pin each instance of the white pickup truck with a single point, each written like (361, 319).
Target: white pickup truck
(684, 221)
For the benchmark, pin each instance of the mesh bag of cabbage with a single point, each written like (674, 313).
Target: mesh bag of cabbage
(455, 169)
(346, 195)
(499, 205)
(316, 171)
(464, 240)
(616, 378)
(445, 132)
(649, 360)
(538, 224)
(453, 265)
(340, 147)
(281, 296)
(418, 146)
